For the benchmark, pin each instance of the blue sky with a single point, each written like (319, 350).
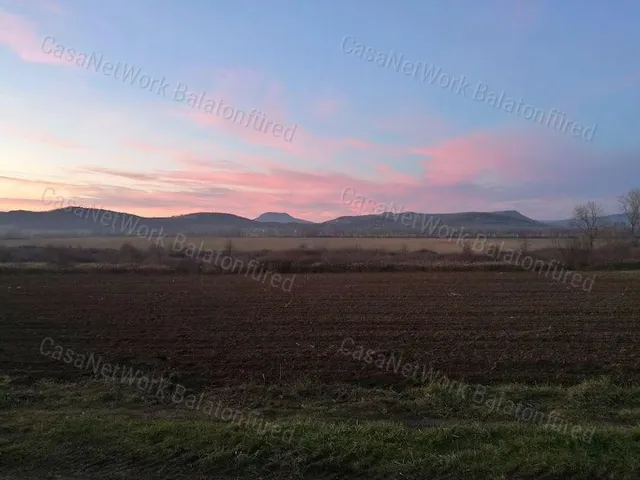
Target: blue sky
(390, 136)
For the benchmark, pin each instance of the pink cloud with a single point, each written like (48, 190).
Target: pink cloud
(412, 126)
(311, 195)
(327, 107)
(215, 158)
(8, 204)
(451, 180)
(21, 37)
(139, 176)
(252, 98)
(359, 144)
(392, 176)
(304, 145)
(28, 193)
(235, 82)
(39, 137)
(29, 181)
(522, 13)
(48, 6)
(241, 124)
(201, 189)
(143, 147)
(631, 78)
(467, 159)
(247, 133)
(266, 97)
(169, 152)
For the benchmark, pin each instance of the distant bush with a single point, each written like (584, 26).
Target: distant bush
(130, 254)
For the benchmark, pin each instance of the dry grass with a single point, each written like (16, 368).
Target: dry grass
(208, 255)
(253, 244)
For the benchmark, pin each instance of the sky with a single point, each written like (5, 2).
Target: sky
(162, 107)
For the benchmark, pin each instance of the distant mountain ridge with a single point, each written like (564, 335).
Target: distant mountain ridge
(80, 221)
(608, 219)
(275, 217)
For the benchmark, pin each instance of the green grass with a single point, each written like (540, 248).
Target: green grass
(108, 431)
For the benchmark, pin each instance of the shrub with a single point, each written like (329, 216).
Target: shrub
(130, 254)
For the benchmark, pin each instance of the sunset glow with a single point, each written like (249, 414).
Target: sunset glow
(163, 113)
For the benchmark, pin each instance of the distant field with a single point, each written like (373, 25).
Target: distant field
(439, 245)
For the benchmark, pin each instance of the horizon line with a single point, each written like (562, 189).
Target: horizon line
(69, 208)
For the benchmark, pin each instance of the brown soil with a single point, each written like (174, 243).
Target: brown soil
(228, 330)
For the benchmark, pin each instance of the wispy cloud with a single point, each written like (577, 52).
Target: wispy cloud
(20, 35)
(39, 136)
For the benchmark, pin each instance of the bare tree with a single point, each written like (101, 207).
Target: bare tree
(630, 207)
(588, 219)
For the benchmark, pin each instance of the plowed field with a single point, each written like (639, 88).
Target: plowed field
(227, 330)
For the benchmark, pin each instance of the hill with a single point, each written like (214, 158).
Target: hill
(426, 223)
(79, 221)
(275, 217)
(608, 219)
